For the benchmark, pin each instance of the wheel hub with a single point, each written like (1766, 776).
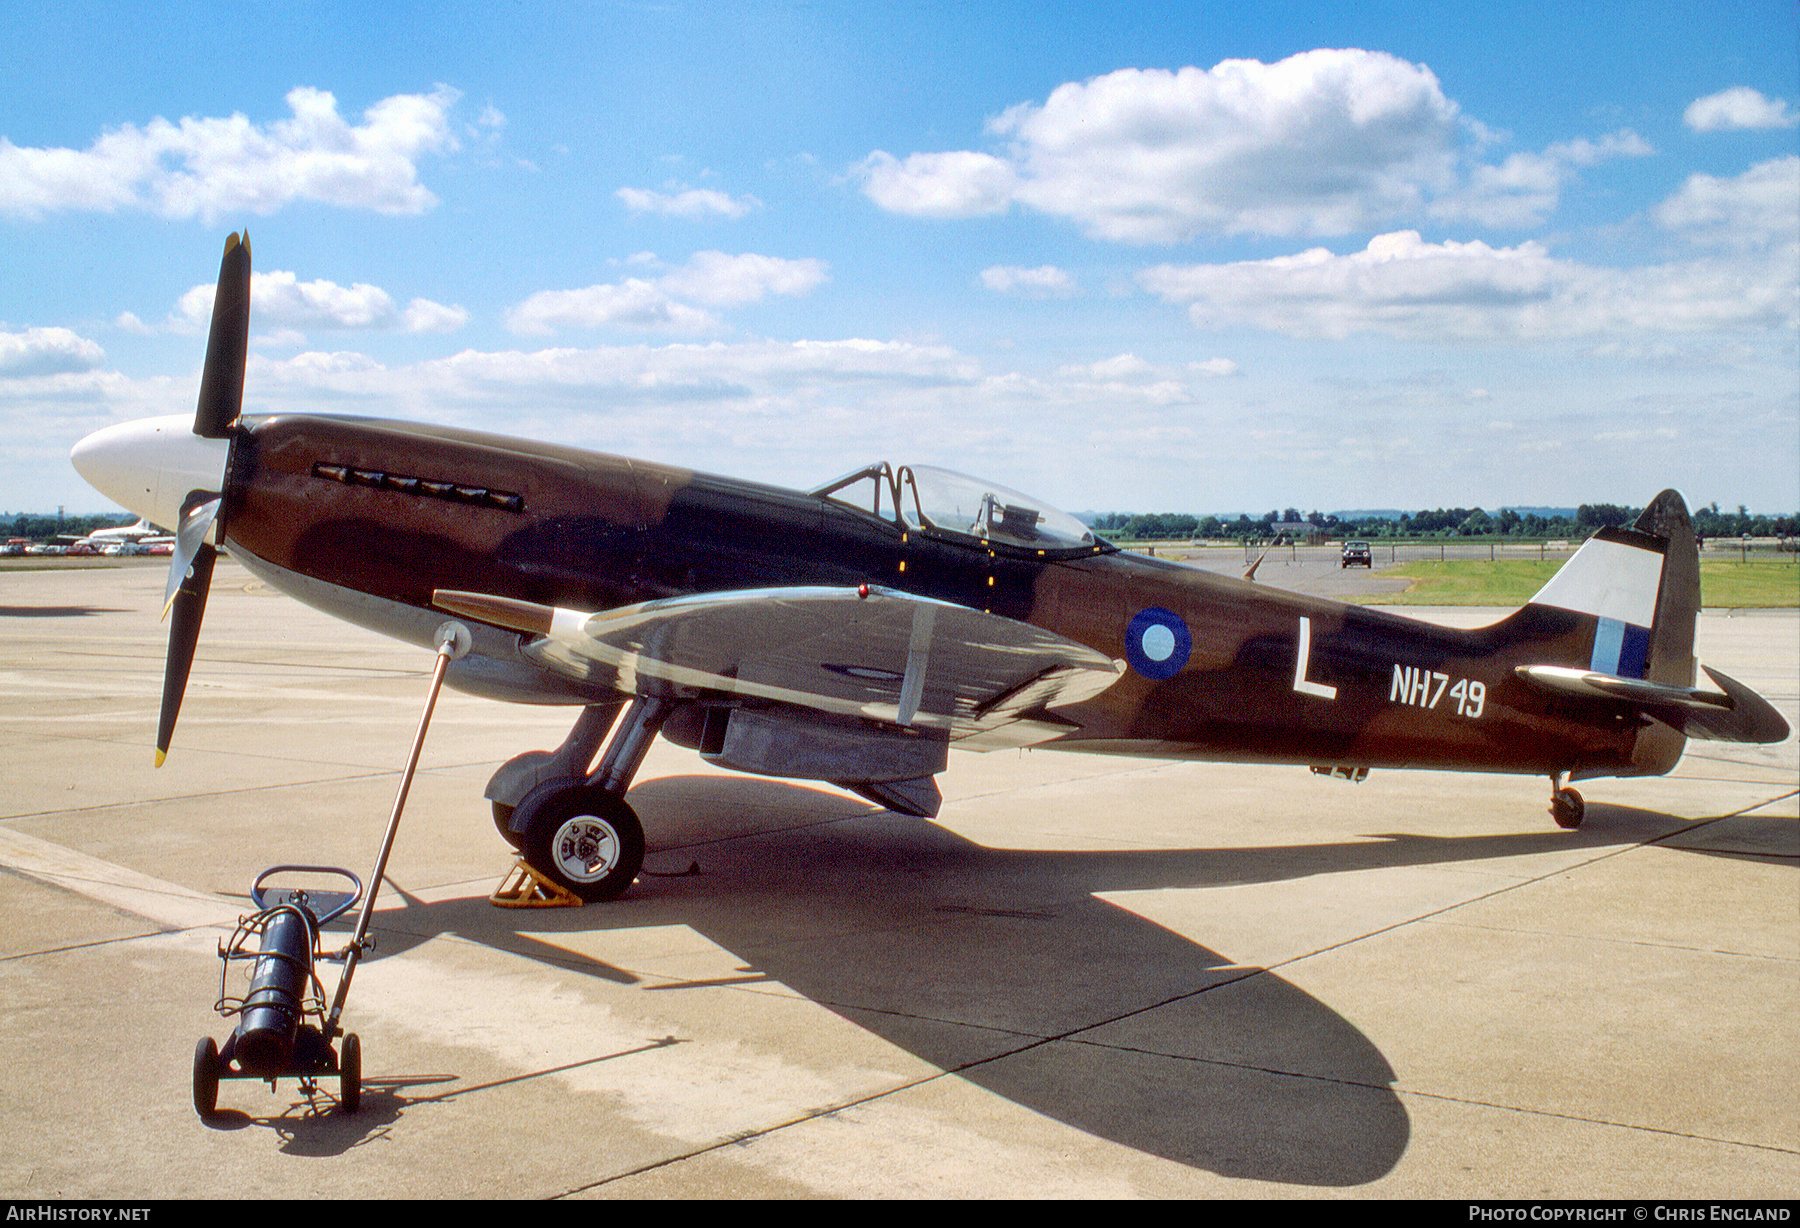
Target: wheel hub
(586, 848)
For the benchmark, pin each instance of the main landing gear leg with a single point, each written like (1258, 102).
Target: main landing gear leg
(1566, 806)
(580, 833)
(523, 773)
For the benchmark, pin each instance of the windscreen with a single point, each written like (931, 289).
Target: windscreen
(957, 503)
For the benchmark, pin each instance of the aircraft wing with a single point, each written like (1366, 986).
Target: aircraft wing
(869, 652)
(1733, 713)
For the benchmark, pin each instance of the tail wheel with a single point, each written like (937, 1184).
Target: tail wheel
(206, 1077)
(582, 837)
(1567, 808)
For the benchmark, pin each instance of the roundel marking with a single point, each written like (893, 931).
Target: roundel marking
(1157, 643)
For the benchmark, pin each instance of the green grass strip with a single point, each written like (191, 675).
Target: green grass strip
(1512, 582)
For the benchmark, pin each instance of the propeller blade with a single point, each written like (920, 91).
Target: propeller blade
(222, 379)
(215, 417)
(184, 634)
(196, 518)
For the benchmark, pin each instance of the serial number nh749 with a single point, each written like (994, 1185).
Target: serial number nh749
(1423, 688)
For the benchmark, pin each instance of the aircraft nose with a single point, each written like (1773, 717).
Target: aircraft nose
(150, 465)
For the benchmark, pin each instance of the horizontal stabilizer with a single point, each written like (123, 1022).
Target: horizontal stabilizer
(1734, 713)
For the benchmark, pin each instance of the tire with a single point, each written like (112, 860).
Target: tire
(584, 838)
(206, 1077)
(1567, 808)
(350, 1073)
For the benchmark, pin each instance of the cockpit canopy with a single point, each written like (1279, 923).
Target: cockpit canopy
(953, 504)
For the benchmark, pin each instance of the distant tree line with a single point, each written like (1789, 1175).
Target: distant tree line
(37, 528)
(1443, 522)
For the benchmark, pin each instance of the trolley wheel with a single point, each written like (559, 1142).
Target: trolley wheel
(584, 838)
(206, 1077)
(350, 1073)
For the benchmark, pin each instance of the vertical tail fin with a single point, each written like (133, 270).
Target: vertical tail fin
(1641, 586)
(1671, 659)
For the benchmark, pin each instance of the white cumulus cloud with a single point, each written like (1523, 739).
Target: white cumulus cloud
(1320, 143)
(632, 303)
(667, 303)
(206, 167)
(1405, 287)
(1326, 142)
(961, 183)
(1738, 107)
(1119, 366)
(1045, 281)
(279, 298)
(424, 316)
(720, 280)
(46, 351)
(1525, 187)
(691, 203)
(1387, 286)
(1754, 209)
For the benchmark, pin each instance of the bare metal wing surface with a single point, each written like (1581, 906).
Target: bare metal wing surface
(868, 653)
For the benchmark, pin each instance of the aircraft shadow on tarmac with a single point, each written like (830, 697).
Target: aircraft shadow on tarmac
(1003, 967)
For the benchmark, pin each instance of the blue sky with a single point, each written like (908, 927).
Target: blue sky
(1127, 256)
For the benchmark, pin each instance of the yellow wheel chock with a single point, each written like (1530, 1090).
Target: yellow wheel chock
(524, 887)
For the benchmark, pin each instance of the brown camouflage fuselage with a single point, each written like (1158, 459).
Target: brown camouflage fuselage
(368, 518)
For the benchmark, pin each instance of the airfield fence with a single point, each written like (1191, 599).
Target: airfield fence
(1386, 552)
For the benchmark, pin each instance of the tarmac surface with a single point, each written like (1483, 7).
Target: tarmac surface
(1092, 977)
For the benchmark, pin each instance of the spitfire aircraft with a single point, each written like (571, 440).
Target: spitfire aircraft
(856, 632)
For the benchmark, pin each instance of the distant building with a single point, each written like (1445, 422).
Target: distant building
(1298, 531)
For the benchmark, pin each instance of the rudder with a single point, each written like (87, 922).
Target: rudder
(1642, 588)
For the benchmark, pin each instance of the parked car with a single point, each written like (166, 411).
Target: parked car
(1357, 554)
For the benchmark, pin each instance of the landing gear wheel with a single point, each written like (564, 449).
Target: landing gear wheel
(350, 1073)
(1567, 808)
(503, 823)
(582, 837)
(206, 1077)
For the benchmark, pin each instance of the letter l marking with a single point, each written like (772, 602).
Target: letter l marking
(1303, 654)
